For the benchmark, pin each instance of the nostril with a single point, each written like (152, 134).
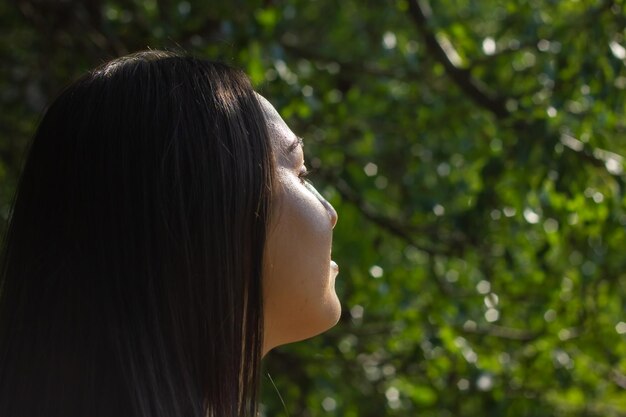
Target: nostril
(329, 208)
(333, 214)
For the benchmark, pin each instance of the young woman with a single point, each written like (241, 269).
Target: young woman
(162, 240)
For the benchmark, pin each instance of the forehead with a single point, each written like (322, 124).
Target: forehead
(281, 135)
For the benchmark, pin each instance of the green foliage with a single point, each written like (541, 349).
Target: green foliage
(472, 150)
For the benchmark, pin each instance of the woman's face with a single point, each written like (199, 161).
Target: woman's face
(299, 277)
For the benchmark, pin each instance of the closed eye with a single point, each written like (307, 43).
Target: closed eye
(303, 174)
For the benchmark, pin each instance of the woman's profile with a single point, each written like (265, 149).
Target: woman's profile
(161, 241)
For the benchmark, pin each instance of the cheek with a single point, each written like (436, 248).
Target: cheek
(299, 248)
(298, 290)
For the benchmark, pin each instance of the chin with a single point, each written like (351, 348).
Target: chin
(326, 322)
(335, 312)
(319, 322)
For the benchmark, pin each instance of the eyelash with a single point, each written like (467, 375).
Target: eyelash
(303, 174)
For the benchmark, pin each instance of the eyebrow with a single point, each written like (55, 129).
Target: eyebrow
(294, 145)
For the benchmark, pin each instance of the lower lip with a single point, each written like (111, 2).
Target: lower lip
(334, 266)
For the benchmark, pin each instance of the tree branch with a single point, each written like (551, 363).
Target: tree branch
(496, 104)
(477, 91)
(370, 214)
(501, 332)
(356, 68)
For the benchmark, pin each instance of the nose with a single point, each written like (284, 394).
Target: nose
(331, 212)
(329, 208)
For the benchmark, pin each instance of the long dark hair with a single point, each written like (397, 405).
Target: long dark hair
(131, 268)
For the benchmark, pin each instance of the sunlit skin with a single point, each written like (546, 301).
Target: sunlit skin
(299, 277)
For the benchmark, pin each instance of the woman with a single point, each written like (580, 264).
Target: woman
(162, 240)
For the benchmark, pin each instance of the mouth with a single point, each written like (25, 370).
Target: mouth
(334, 266)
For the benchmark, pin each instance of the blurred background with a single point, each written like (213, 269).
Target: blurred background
(472, 150)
